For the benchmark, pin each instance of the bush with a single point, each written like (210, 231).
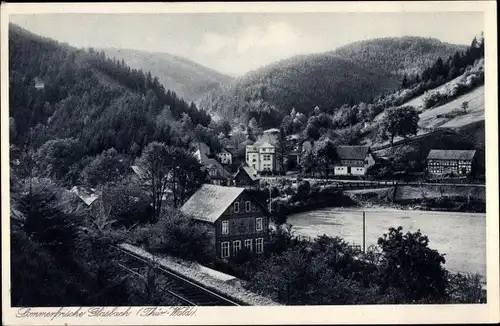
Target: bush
(176, 235)
(409, 265)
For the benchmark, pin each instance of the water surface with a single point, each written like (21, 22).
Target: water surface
(461, 236)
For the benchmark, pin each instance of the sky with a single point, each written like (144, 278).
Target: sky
(235, 43)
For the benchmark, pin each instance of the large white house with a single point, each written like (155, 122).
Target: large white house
(261, 155)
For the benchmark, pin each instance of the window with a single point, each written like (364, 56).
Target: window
(258, 223)
(236, 247)
(224, 249)
(248, 206)
(248, 244)
(236, 207)
(259, 245)
(225, 227)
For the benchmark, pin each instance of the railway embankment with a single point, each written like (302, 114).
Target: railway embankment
(227, 285)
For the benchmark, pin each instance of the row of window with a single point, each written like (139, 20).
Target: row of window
(449, 163)
(226, 252)
(259, 225)
(236, 206)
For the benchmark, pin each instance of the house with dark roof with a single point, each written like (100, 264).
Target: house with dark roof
(216, 172)
(446, 161)
(246, 177)
(353, 160)
(235, 219)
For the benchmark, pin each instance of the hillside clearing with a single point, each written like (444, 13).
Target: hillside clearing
(429, 120)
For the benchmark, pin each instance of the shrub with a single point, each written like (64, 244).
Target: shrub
(409, 265)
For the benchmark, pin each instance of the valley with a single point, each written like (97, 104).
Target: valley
(121, 148)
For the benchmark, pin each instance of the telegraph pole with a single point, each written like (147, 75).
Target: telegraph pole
(364, 233)
(270, 208)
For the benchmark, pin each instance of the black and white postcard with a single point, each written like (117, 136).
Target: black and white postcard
(249, 163)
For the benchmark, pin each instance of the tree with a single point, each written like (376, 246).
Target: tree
(401, 121)
(308, 161)
(286, 124)
(187, 176)
(46, 220)
(409, 265)
(168, 168)
(105, 167)
(404, 82)
(252, 124)
(465, 105)
(59, 158)
(157, 165)
(282, 151)
(317, 125)
(325, 155)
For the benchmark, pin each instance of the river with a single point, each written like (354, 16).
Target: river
(461, 236)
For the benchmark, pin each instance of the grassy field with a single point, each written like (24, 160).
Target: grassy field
(429, 120)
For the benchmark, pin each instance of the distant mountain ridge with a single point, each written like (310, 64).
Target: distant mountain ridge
(353, 73)
(190, 80)
(398, 55)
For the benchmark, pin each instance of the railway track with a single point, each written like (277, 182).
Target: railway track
(187, 291)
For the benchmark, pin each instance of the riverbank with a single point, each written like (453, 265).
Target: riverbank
(412, 198)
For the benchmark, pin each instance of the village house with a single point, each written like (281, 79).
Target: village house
(217, 173)
(246, 177)
(225, 156)
(235, 219)
(353, 160)
(262, 155)
(39, 84)
(442, 161)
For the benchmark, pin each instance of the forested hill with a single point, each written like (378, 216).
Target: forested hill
(351, 74)
(188, 79)
(398, 55)
(303, 82)
(100, 102)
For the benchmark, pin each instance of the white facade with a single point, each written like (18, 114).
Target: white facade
(225, 157)
(261, 157)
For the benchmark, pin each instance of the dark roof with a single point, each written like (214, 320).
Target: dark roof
(251, 172)
(352, 152)
(451, 154)
(210, 202)
(208, 162)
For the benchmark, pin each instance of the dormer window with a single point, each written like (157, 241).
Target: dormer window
(236, 207)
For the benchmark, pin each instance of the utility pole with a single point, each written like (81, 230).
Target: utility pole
(270, 207)
(364, 227)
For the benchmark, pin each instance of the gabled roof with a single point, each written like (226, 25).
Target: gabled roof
(88, 196)
(451, 154)
(271, 131)
(202, 147)
(266, 137)
(138, 171)
(208, 162)
(352, 152)
(210, 202)
(225, 151)
(266, 144)
(250, 171)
